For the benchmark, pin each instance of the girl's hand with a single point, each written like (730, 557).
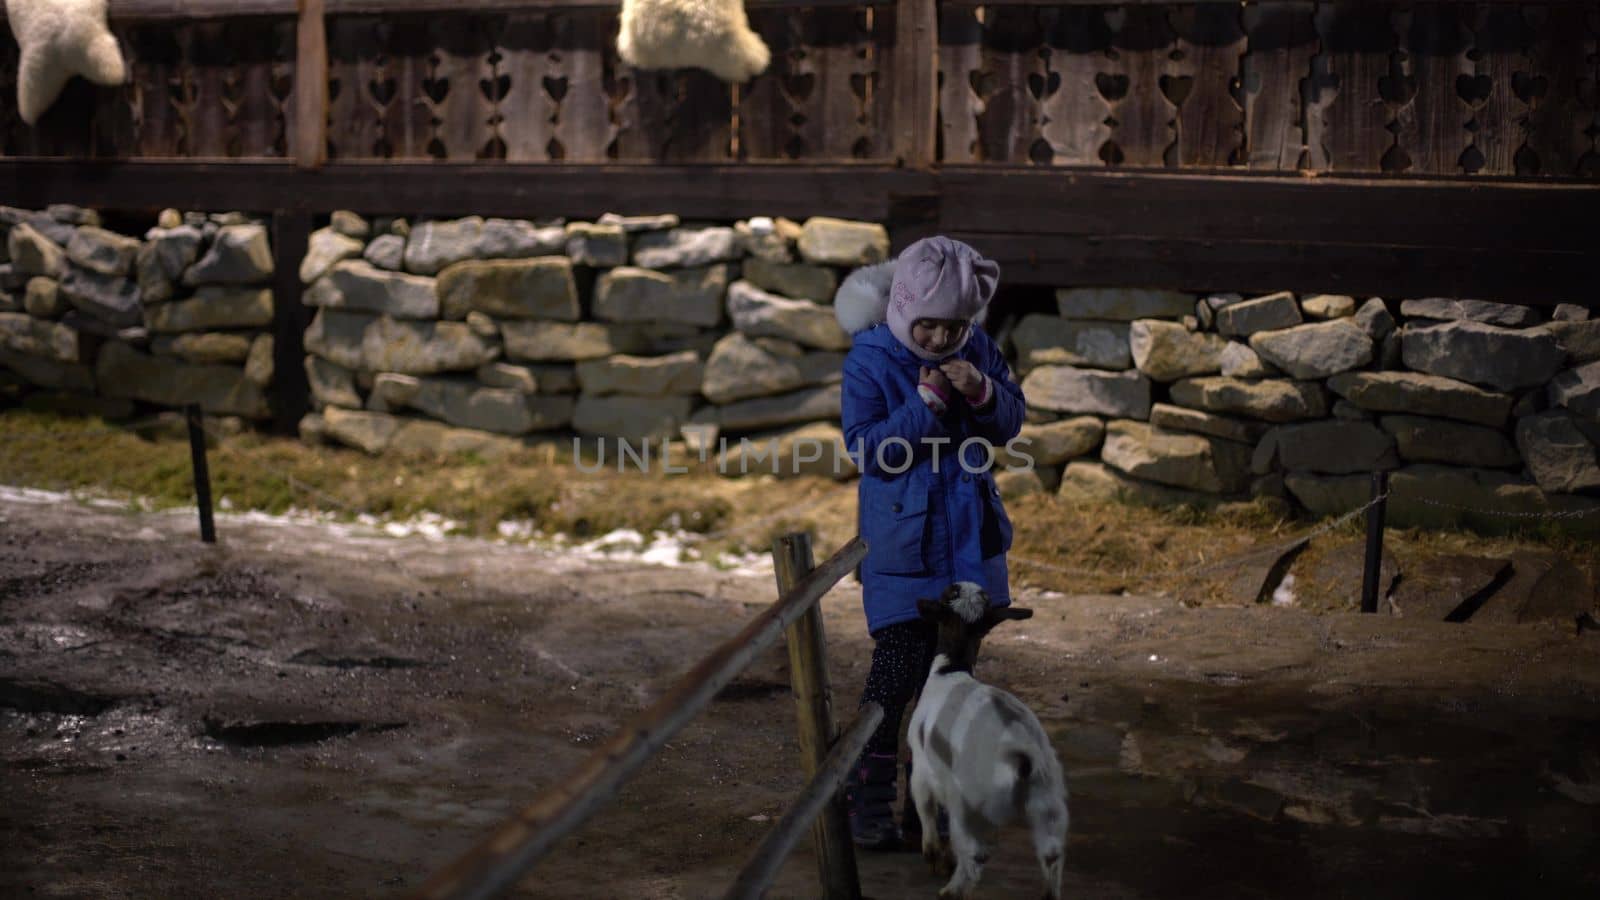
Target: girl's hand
(965, 377)
(937, 379)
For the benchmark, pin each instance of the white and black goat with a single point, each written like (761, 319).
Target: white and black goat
(981, 754)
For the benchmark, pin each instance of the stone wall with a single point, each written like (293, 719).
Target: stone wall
(474, 333)
(444, 333)
(96, 320)
(1167, 398)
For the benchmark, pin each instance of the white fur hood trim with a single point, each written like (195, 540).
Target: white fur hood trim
(862, 301)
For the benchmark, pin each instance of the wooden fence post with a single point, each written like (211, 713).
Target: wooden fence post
(1374, 561)
(289, 394)
(202, 474)
(916, 79)
(808, 675)
(310, 149)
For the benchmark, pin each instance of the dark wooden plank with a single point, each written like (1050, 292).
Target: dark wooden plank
(583, 124)
(66, 127)
(828, 87)
(1358, 43)
(902, 103)
(289, 393)
(209, 66)
(960, 56)
(461, 112)
(156, 68)
(1145, 117)
(116, 132)
(765, 105)
(703, 125)
(644, 114)
(1008, 123)
(11, 125)
(408, 119)
(1431, 121)
(1559, 117)
(1531, 277)
(1500, 39)
(311, 86)
(1210, 121)
(1073, 111)
(1282, 43)
(355, 118)
(705, 192)
(257, 118)
(1474, 213)
(527, 110)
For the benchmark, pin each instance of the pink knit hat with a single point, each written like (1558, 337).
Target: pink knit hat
(939, 278)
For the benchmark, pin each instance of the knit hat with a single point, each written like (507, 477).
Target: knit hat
(939, 278)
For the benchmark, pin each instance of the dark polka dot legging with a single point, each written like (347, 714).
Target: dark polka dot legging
(900, 660)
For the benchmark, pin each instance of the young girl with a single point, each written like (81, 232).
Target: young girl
(928, 400)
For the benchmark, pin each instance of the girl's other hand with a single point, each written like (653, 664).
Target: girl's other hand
(965, 377)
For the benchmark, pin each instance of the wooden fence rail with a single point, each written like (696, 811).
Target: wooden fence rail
(496, 864)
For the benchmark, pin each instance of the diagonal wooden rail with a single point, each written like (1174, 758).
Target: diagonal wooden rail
(496, 863)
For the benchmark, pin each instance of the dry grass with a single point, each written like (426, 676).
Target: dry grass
(1060, 545)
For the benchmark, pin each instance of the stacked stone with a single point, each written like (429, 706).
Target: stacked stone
(481, 331)
(1206, 400)
(101, 320)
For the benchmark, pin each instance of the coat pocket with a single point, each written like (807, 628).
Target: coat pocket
(996, 536)
(895, 533)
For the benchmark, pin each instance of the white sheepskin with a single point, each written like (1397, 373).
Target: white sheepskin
(713, 35)
(60, 39)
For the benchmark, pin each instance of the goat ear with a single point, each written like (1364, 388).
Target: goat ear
(994, 615)
(931, 610)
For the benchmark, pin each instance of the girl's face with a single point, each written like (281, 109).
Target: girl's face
(938, 336)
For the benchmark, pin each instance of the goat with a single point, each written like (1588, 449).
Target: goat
(980, 753)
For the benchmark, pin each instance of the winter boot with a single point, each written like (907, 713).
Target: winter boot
(911, 823)
(869, 796)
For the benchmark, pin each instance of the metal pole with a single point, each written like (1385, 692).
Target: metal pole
(1374, 560)
(202, 476)
(821, 792)
(808, 676)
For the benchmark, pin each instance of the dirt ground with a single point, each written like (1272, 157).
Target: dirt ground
(310, 710)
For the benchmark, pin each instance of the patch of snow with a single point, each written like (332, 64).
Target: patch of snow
(1283, 594)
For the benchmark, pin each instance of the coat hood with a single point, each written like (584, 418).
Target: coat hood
(862, 301)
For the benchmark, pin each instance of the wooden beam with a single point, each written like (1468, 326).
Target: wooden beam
(311, 86)
(1469, 237)
(1467, 213)
(450, 189)
(1530, 277)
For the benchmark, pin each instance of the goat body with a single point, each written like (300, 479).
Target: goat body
(980, 753)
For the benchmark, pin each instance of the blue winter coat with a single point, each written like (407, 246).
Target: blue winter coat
(924, 528)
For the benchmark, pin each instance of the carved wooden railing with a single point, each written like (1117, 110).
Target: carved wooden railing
(1359, 87)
